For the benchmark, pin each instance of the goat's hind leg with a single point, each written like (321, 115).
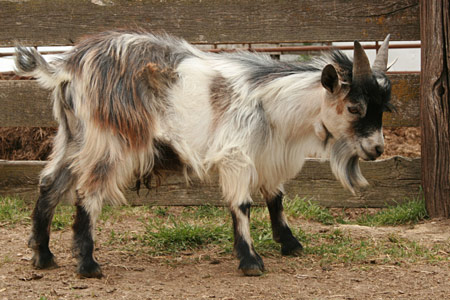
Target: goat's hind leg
(281, 232)
(88, 209)
(55, 182)
(103, 180)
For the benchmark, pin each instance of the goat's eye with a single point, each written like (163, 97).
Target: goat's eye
(353, 110)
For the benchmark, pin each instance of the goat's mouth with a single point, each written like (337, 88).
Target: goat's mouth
(364, 154)
(344, 161)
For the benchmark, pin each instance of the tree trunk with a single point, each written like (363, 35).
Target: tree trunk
(435, 102)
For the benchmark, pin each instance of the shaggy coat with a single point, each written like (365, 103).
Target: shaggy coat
(130, 104)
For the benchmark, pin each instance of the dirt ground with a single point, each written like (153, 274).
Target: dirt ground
(211, 275)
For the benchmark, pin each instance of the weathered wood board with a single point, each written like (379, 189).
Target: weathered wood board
(391, 181)
(63, 22)
(24, 103)
(435, 106)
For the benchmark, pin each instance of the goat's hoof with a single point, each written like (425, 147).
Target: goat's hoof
(252, 271)
(44, 261)
(292, 248)
(252, 266)
(90, 269)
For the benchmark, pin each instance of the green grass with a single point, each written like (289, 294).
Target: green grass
(305, 208)
(207, 227)
(205, 212)
(173, 235)
(406, 213)
(63, 217)
(409, 212)
(169, 231)
(13, 211)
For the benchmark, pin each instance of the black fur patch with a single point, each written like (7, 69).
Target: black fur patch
(245, 209)
(250, 263)
(247, 261)
(166, 157)
(84, 244)
(40, 237)
(51, 189)
(281, 231)
(377, 99)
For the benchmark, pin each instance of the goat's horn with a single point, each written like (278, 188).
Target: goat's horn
(381, 60)
(361, 64)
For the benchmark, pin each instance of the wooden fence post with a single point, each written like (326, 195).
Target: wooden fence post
(435, 102)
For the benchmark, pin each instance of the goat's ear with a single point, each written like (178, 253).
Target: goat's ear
(330, 79)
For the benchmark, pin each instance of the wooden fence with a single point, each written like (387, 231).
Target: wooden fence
(63, 22)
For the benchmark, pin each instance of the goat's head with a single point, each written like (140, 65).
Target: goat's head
(352, 113)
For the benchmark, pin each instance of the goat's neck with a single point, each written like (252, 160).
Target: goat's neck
(293, 105)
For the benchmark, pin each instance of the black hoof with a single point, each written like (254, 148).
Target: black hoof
(292, 248)
(252, 266)
(90, 269)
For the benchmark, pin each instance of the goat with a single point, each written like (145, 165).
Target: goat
(128, 102)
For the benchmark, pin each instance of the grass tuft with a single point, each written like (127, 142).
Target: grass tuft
(309, 210)
(13, 210)
(174, 236)
(63, 217)
(409, 212)
(406, 213)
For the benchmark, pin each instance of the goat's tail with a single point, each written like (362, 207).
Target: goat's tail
(29, 62)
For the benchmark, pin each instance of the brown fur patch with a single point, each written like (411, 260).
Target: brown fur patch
(134, 122)
(157, 78)
(133, 125)
(220, 94)
(340, 106)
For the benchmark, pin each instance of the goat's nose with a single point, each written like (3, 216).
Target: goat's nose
(379, 149)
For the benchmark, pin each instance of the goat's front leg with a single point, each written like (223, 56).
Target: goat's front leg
(236, 177)
(281, 232)
(250, 262)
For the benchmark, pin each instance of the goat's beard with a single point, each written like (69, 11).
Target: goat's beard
(345, 165)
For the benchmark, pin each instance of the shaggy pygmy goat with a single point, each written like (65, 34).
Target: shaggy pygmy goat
(131, 104)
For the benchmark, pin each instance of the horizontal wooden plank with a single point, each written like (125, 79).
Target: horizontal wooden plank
(62, 22)
(391, 181)
(24, 103)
